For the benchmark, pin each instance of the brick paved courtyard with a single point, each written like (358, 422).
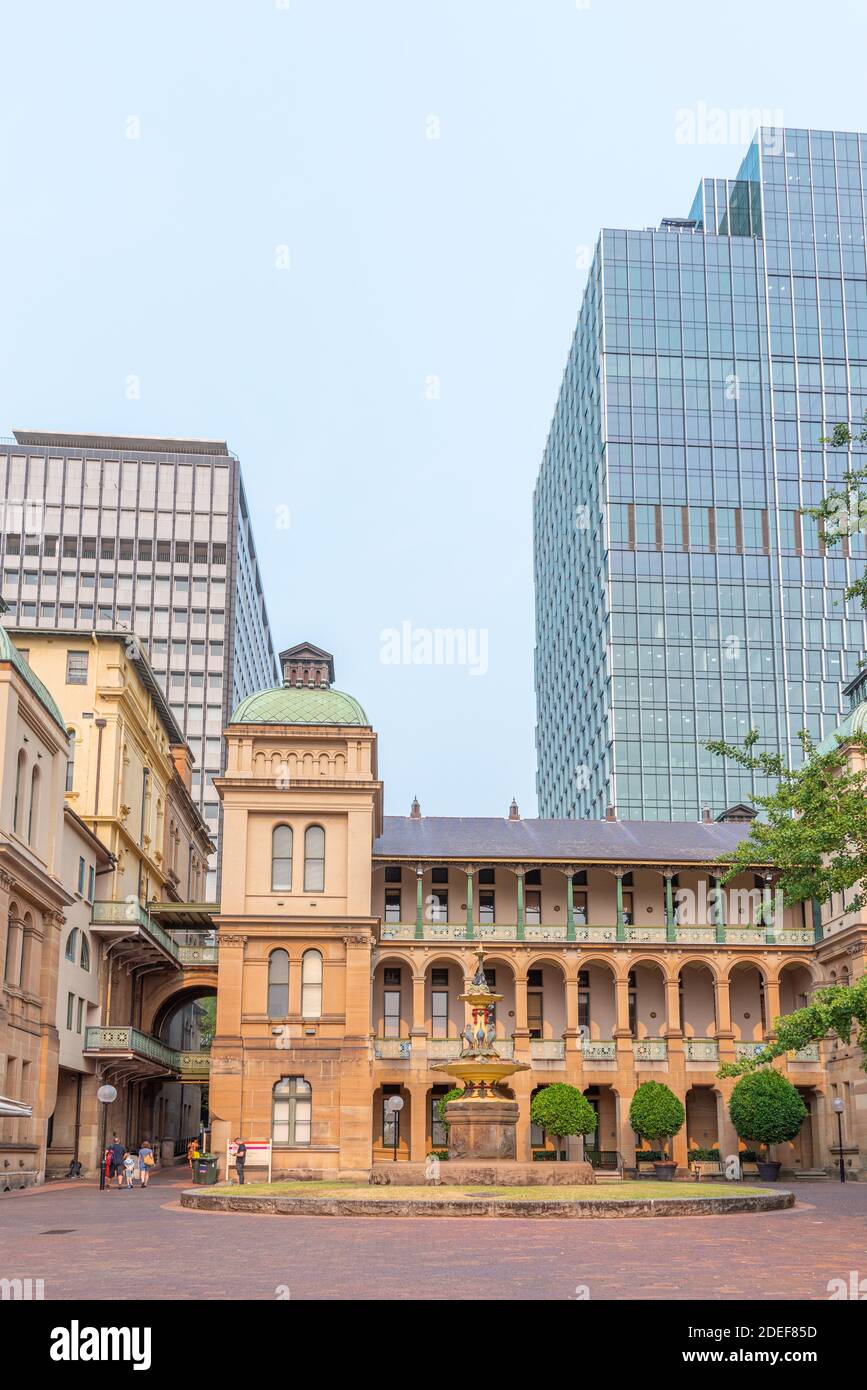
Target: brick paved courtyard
(143, 1245)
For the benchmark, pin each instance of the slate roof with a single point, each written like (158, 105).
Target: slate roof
(9, 652)
(489, 837)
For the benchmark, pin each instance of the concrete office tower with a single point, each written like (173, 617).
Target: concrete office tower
(107, 532)
(680, 593)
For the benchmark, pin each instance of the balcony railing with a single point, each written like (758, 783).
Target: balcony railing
(443, 1049)
(392, 1049)
(810, 1053)
(547, 1049)
(198, 955)
(649, 1049)
(133, 1043)
(699, 934)
(701, 1049)
(746, 1051)
(599, 1051)
(131, 915)
(132, 1040)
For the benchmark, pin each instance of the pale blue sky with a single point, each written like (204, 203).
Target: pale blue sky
(306, 126)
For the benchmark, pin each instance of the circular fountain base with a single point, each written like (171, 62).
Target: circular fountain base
(482, 1129)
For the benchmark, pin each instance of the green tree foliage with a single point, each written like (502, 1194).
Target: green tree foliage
(815, 831)
(562, 1110)
(766, 1108)
(844, 509)
(454, 1094)
(838, 1010)
(656, 1113)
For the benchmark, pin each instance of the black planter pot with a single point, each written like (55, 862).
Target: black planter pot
(768, 1172)
(665, 1170)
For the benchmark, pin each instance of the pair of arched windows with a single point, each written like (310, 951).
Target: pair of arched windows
(72, 945)
(278, 984)
(314, 859)
(20, 794)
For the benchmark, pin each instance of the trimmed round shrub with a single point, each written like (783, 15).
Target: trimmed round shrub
(656, 1114)
(765, 1108)
(562, 1110)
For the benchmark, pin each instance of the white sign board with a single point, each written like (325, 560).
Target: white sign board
(258, 1155)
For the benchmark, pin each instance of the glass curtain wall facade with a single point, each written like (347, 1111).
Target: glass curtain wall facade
(680, 594)
(153, 536)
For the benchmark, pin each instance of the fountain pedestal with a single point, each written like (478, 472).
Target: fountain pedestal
(482, 1129)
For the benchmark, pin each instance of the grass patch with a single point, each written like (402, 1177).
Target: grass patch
(598, 1192)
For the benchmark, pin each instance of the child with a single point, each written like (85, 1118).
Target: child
(128, 1168)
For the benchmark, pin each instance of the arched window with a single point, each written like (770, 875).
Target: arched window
(70, 761)
(314, 859)
(292, 1111)
(85, 952)
(311, 984)
(71, 944)
(19, 786)
(281, 859)
(278, 984)
(33, 816)
(14, 947)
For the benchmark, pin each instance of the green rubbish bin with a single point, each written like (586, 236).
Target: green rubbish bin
(205, 1169)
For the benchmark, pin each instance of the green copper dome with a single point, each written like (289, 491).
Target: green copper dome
(9, 652)
(855, 722)
(300, 705)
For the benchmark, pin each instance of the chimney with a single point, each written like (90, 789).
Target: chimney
(306, 665)
(514, 813)
(415, 810)
(182, 759)
(610, 813)
(705, 815)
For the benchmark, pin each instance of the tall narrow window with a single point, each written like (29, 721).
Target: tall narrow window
(70, 760)
(71, 943)
(314, 859)
(281, 859)
(439, 1003)
(19, 786)
(33, 816)
(278, 984)
(292, 1111)
(76, 668)
(311, 985)
(85, 952)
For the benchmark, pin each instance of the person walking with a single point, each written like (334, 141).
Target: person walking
(117, 1150)
(192, 1153)
(145, 1162)
(240, 1159)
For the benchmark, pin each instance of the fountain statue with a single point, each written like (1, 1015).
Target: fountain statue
(482, 1121)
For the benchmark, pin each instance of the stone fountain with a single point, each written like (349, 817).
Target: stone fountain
(482, 1123)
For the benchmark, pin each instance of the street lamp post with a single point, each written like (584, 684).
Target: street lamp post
(394, 1105)
(106, 1095)
(837, 1107)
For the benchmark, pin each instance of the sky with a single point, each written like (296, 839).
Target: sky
(350, 237)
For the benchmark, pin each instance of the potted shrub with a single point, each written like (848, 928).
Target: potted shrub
(656, 1114)
(765, 1108)
(562, 1110)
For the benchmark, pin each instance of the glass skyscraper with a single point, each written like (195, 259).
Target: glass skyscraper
(151, 536)
(680, 593)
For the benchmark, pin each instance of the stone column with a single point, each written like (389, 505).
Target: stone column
(522, 1028)
(418, 1027)
(670, 923)
(418, 1123)
(772, 1005)
(724, 1031)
